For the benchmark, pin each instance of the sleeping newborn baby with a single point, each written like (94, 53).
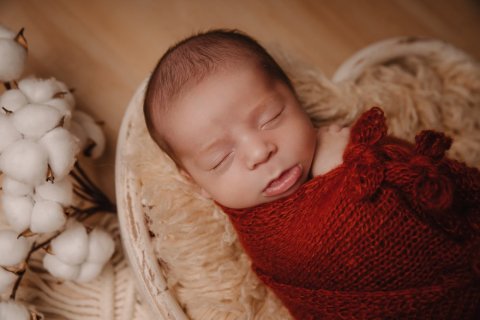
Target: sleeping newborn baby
(338, 222)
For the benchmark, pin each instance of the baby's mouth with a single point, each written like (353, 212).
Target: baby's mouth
(283, 182)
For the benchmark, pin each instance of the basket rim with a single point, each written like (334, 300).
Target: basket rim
(391, 48)
(135, 237)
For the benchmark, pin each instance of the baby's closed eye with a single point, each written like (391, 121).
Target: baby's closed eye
(270, 118)
(221, 161)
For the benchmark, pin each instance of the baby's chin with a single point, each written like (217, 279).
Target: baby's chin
(259, 202)
(241, 205)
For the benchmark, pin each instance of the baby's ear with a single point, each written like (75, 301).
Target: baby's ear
(199, 189)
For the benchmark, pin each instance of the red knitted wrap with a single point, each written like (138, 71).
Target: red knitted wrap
(392, 233)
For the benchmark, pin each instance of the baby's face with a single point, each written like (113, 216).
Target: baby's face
(242, 137)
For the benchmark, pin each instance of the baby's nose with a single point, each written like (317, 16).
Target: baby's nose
(259, 152)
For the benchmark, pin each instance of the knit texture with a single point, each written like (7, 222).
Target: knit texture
(391, 233)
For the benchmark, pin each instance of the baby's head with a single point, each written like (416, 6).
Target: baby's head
(227, 114)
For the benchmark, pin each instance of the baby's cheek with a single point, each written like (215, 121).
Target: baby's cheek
(229, 191)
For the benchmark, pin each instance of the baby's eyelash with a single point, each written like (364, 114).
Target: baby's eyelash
(219, 163)
(273, 118)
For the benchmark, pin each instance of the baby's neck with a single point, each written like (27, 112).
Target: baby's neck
(331, 143)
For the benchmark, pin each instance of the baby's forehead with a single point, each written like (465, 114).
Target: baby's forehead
(225, 71)
(216, 94)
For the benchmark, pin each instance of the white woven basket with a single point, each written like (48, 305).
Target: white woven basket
(135, 234)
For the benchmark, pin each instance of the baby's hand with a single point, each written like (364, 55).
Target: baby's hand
(331, 143)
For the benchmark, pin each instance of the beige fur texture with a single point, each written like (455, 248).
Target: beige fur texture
(195, 245)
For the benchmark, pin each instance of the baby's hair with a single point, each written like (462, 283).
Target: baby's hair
(191, 60)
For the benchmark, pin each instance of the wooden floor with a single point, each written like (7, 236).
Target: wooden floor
(105, 48)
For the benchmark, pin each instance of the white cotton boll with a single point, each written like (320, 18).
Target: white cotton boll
(60, 269)
(6, 33)
(17, 211)
(62, 149)
(47, 216)
(66, 93)
(12, 61)
(10, 310)
(92, 130)
(40, 90)
(12, 250)
(13, 100)
(77, 130)
(7, 278)
(25, 161)
(60, 191)
(44, 90)
(16, 188)
(64, 108)
(72, 245)
(8, 132)
(89, 271)
(34, 120)
(60, 104)
(101, 246)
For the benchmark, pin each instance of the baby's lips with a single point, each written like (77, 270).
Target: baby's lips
(283, 182)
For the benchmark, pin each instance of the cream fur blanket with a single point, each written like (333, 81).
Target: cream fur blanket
(205, 268)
